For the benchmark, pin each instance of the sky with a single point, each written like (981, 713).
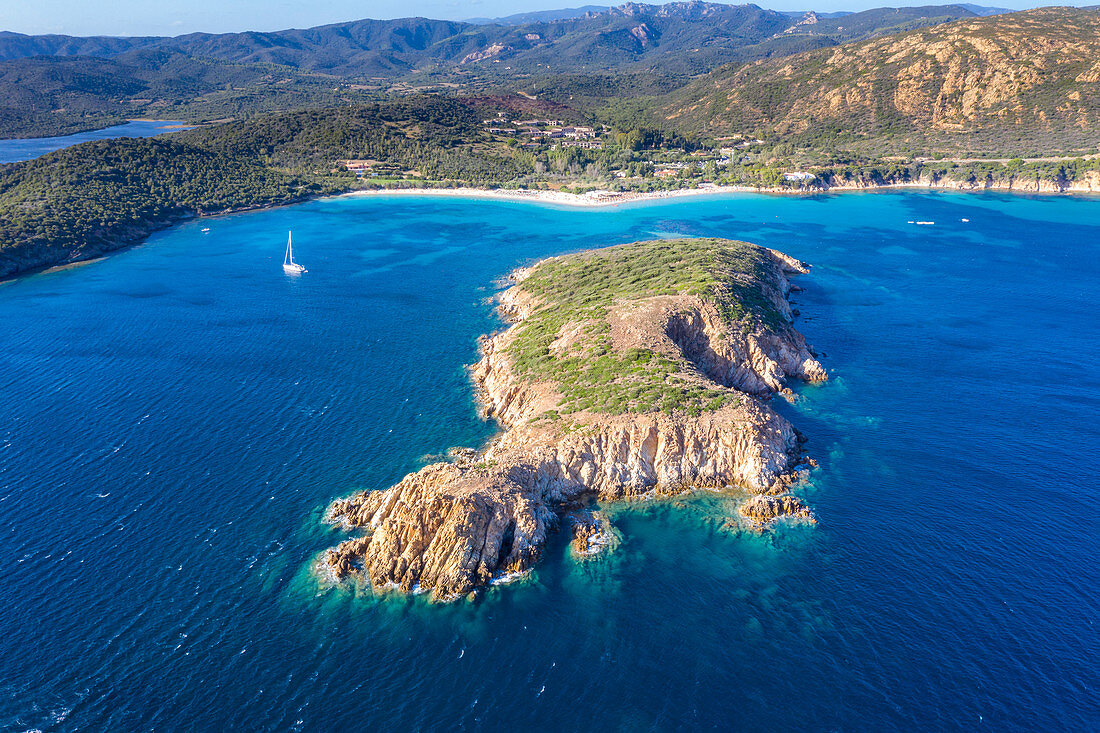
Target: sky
(173, 17)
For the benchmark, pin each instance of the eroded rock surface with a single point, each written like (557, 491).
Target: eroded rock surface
(761, 509)
(653, 382)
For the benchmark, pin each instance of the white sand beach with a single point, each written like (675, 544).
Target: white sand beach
(590, 199)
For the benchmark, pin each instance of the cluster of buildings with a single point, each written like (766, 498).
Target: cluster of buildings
(576, 136)
(731, 150)
(671, 170)
(372, 168)
(570, 137)
(586, 144)
(359, 167)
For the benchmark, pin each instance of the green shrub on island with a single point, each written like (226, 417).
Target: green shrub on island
(594, 377)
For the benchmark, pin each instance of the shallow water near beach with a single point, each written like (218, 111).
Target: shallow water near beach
(175, 419)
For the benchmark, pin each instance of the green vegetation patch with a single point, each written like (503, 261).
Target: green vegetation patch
(90, 198)
(580, 289)
(442, 139)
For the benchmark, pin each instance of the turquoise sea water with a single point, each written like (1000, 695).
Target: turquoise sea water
(26, 148)
(175, 419)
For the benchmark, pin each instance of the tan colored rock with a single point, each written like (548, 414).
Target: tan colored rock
(762, 510)
(453, 527)
(591, 533)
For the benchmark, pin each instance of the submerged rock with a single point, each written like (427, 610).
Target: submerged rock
(634, 371)
(591, 534)
(762, 510)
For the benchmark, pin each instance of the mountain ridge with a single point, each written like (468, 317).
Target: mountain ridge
(705, 34)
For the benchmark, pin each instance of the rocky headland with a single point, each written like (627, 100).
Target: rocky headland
(633, 371)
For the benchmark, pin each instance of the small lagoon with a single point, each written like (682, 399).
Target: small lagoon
(14, 150)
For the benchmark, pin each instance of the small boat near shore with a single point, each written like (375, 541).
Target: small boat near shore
(289, 265)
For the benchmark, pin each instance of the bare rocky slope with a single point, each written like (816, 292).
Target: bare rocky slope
(636, 370)
(1025, 83)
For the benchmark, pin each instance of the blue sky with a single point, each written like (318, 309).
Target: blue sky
(172, 17)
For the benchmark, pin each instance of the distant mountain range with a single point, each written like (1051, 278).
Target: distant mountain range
(983, 11)
(541, 16)
(680, 37)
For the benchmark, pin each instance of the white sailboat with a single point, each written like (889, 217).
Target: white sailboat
(289, 265)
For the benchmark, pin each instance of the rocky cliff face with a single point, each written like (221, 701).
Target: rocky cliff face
(452, 527)
(1087, 183)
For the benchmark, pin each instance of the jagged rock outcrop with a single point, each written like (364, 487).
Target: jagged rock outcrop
(762, 509)
(650, 381)
(591, 534)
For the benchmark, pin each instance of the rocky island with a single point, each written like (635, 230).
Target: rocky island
(637, 370)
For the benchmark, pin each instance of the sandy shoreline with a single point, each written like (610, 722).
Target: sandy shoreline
(594, 199)
(585, 200)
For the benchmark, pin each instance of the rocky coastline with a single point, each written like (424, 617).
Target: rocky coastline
(1089, 183)
(654, 389)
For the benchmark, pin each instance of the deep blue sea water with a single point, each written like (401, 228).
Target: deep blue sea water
(175, 419)
(27, 148)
